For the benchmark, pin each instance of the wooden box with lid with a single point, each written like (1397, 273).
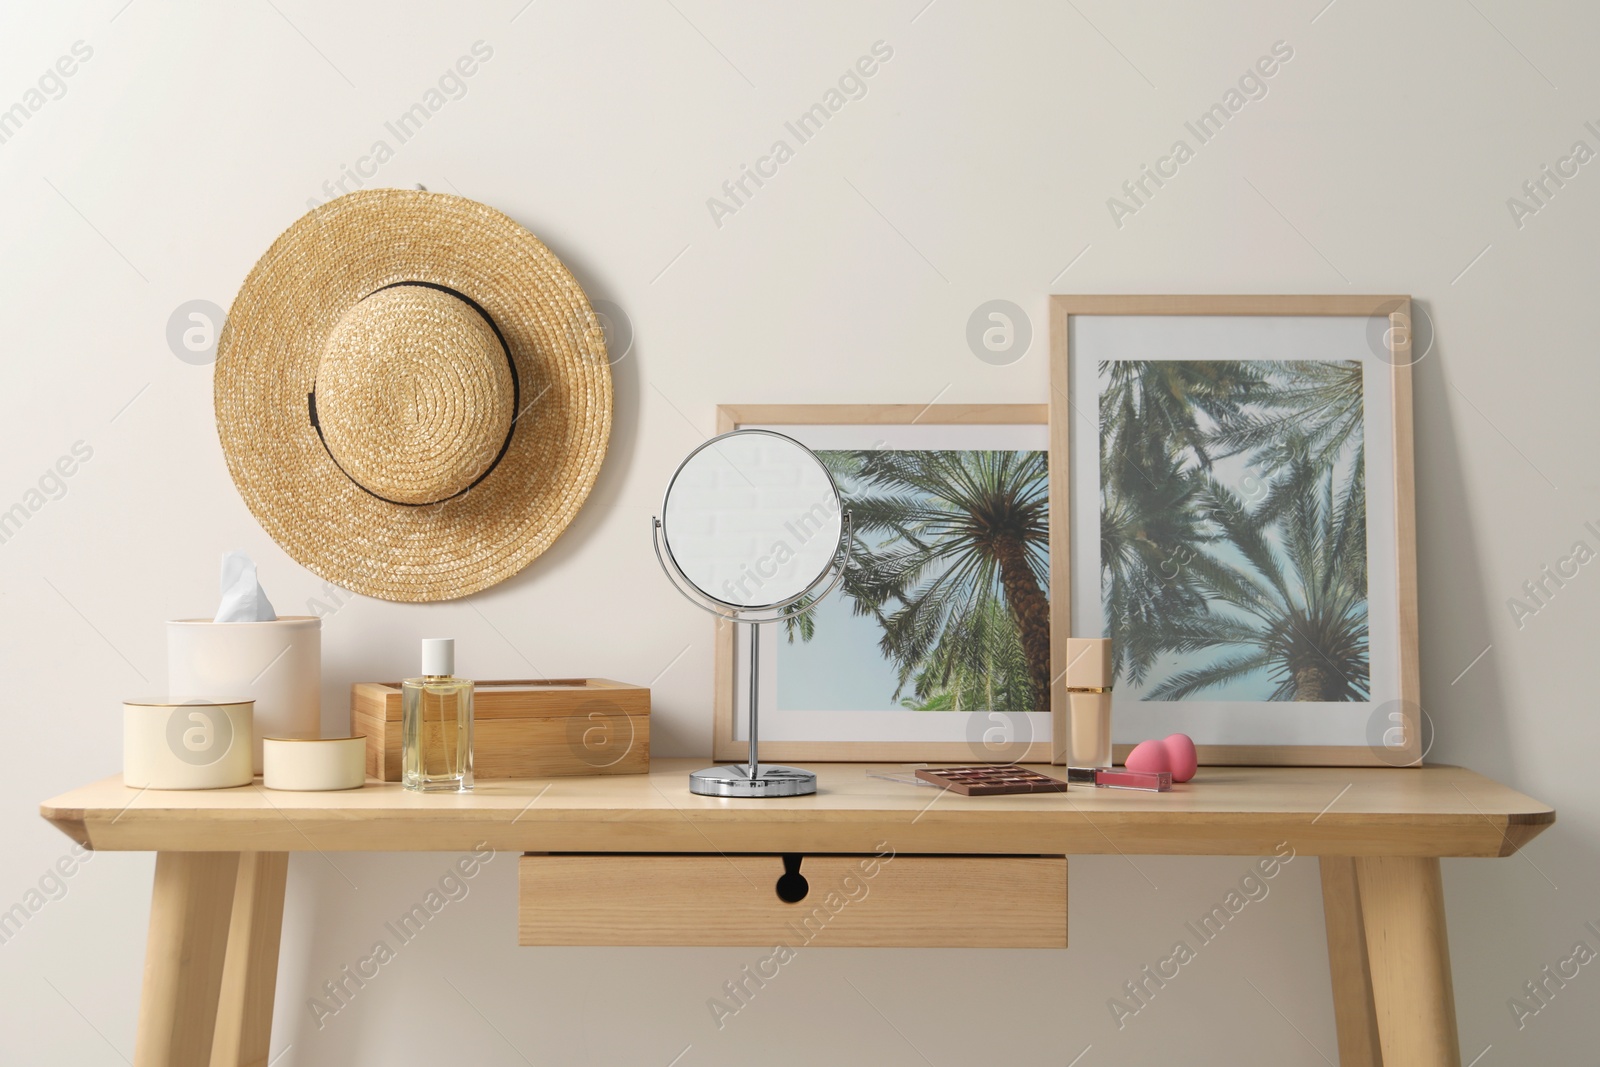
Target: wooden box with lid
(524, 728)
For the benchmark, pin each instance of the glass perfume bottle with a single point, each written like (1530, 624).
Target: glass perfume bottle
(436, 723)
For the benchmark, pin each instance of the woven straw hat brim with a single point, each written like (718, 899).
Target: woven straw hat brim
(267, 359)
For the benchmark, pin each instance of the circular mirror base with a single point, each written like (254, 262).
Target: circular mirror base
(770, 781)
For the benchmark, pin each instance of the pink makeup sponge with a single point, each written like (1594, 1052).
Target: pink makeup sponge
(1148, 756)
(1175, 755)
(1181, 754)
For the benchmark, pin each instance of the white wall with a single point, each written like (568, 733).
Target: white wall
(976, 167)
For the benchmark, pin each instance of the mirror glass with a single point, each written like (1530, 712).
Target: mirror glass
(752, 519)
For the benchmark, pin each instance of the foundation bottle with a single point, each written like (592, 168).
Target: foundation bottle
(1089, 701)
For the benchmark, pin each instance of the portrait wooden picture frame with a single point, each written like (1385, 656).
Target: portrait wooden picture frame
(1089, 335)
(728, 707)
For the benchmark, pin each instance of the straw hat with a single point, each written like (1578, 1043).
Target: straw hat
(412, 394)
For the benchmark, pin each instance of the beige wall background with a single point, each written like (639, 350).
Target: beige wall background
(976, 165)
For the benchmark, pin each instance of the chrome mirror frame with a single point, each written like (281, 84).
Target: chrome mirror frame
(754, 779)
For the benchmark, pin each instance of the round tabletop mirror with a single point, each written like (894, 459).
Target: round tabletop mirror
(752, 520)
(752, 530)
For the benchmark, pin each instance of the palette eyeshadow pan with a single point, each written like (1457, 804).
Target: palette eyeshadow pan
(991, 781)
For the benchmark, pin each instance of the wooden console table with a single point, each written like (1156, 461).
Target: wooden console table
(222, 859)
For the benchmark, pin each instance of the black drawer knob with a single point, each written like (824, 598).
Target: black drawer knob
(792, 885)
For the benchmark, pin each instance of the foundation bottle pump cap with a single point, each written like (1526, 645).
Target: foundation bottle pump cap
(438, 657)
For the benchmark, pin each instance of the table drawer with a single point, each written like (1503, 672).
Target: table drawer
(878, 901)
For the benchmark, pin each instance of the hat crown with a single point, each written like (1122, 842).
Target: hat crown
(288, 395)
(414, 394)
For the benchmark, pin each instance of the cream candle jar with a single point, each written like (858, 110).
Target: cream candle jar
(314, 764)
(186, 745)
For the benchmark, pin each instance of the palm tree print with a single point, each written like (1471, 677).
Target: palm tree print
(1233, 528)
(983, 667)
(951, 559)
(1316, 413)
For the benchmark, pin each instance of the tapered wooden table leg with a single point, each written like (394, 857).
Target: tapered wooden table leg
(1402, 909)
(249, 976)
(183, 961)
(1353, 1012)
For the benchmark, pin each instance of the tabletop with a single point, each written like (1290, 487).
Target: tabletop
(1332, 811)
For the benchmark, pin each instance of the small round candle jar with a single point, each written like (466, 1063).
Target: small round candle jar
(314, 764)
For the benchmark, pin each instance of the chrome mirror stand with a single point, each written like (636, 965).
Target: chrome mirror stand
(754, 778)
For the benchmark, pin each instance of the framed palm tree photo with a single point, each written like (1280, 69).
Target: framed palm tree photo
(936, 644)
(1234, 509)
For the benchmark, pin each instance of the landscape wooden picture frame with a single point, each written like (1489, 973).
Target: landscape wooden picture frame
(1018, 738)
(1374, 330)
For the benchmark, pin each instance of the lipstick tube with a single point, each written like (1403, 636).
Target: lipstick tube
(1150, 781)
(1111, 778)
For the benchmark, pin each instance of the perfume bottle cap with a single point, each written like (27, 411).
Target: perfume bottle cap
(1088, 662)
(438, 656)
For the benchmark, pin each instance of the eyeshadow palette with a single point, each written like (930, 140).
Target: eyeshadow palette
(991, 781)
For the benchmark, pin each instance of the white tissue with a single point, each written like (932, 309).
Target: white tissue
(243, 599)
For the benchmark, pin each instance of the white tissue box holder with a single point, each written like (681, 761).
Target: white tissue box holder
(278, 664)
